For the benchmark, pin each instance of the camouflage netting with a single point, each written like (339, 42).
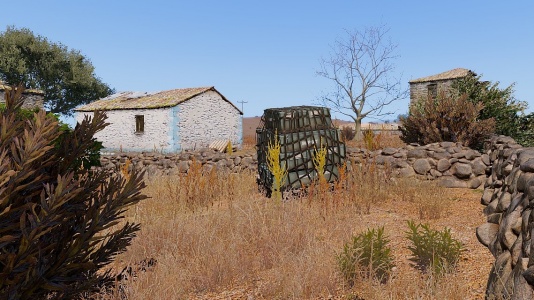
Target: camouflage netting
(301, 131)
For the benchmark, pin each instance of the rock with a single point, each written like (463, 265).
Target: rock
(246, 161)
(389, 151)
(527, 166)
(485, 159)
(451, 182)
(486, 233)
(435, 174)
(479, 168)
(421, 166)
(441, 155)
(405, 172)
(443, 165)
(475, 182)
(416, 153)
(237, 160)
(495, 218)
(486, 196)
(462, 170)
(529, 275)
(471, 154)
(504, 201)
(183, 166)
(447, 144)
(400, 163)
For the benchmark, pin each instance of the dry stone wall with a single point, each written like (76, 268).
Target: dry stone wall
(450, 163)
(508, 199)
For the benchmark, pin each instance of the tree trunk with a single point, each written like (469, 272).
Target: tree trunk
(358, 135)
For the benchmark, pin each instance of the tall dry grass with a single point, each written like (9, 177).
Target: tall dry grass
(212, 234)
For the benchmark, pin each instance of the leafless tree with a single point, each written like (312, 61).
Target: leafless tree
(361, 68)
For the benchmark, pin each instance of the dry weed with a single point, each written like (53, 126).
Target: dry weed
(213, 234)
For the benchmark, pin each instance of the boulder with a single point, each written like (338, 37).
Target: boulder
(443, 165)
(461, 170)
(486, 233)
(421, 166)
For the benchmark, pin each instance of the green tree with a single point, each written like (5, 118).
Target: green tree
(65, 76)
(499, 104)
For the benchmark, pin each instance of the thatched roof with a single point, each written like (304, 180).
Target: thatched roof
(146, 100)
(451, 74)
(6, 87)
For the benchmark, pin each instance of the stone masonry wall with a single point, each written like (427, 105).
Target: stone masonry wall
(419, 90)
(449, 163)
(509, 199)
(31, 100)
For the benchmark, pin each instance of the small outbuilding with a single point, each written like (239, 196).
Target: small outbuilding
(430, 85)
(32, 98)
(167, 121)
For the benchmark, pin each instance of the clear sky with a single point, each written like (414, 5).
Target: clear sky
(267, 52)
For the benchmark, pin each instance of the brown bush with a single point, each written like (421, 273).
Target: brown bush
(58, 222)
(446, 118)
(347, 133)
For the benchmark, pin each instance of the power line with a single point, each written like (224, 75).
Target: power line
(242, 110)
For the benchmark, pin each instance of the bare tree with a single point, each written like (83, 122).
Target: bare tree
(361, 68)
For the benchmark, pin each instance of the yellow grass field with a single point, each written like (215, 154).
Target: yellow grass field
(214, 236)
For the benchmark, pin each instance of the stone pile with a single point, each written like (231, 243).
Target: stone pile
(509, 199)
(453, 165)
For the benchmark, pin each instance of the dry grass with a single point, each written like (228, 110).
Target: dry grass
(215, 237)
(380, 140)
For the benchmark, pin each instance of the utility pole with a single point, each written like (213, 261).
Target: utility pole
(242, 105)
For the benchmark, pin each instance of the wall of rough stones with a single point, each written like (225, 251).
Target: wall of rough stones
(508, 199)
(449, 163)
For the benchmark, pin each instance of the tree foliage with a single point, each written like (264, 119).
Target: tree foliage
(65, 76)
(447, 117)
(499, 104)
(59, 222)
(360, 68)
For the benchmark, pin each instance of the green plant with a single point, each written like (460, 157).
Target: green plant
(229, 148)
(499, 104)
(446, 118)
(366, 256)
(59, 222)
(432, 250)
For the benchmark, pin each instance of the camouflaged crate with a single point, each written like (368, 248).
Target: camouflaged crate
(301, 131)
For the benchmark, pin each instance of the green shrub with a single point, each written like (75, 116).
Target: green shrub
(446, 118)
(432, 250)
(59, 222)
(366, 256)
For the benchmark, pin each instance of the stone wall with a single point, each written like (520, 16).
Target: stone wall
(31, 99)
(509, 199)
(449, 163)
(419, 90)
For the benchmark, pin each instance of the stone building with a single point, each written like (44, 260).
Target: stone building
(167, 121)
(32, 98)
(422, 87)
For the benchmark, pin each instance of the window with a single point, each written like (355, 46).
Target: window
(139, 123)
(433, 90)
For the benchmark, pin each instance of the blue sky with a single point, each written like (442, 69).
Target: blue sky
(267, 52)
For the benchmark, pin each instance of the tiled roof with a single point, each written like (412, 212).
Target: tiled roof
(143, 100)
(452, 74)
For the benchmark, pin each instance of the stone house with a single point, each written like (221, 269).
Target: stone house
(422, 87)
(167, 121)
(32, 98)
